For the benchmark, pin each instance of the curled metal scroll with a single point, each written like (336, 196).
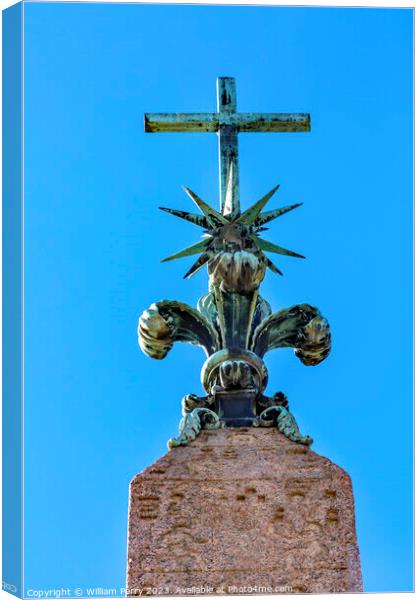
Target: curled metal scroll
(286, 424)
(191, 425)
(168, 321)
(300, 327)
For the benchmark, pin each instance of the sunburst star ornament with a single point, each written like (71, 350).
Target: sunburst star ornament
(224, 233)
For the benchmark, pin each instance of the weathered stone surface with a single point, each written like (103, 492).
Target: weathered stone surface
(242, 511)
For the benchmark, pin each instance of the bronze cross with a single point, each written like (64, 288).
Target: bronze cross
(227, 123)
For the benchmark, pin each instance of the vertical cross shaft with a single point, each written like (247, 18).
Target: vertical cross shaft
(228, 148)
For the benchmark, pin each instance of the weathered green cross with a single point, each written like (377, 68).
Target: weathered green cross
(227, 123)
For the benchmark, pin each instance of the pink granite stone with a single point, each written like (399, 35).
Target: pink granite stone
(242, 511)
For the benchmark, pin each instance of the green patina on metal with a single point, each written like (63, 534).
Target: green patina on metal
(285, 421)
(191, 425)
(233, 323)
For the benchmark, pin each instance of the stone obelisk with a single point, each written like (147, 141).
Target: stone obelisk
(242, 511)
(239, 504)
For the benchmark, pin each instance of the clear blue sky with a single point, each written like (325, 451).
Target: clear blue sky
(97, 410)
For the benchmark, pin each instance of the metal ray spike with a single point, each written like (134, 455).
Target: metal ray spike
(199, 220)
(264, 258)
(267, 246)
(231, 204)
(194, 249)
(251, 214)
(212, 215)
(273, 214)
(272, 266)
(200, 262)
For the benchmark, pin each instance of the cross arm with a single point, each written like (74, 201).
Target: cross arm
(272, 122)
(175, 122)
(241, 122)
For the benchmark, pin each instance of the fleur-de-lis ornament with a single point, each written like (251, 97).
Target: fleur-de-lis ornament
(233, 323)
